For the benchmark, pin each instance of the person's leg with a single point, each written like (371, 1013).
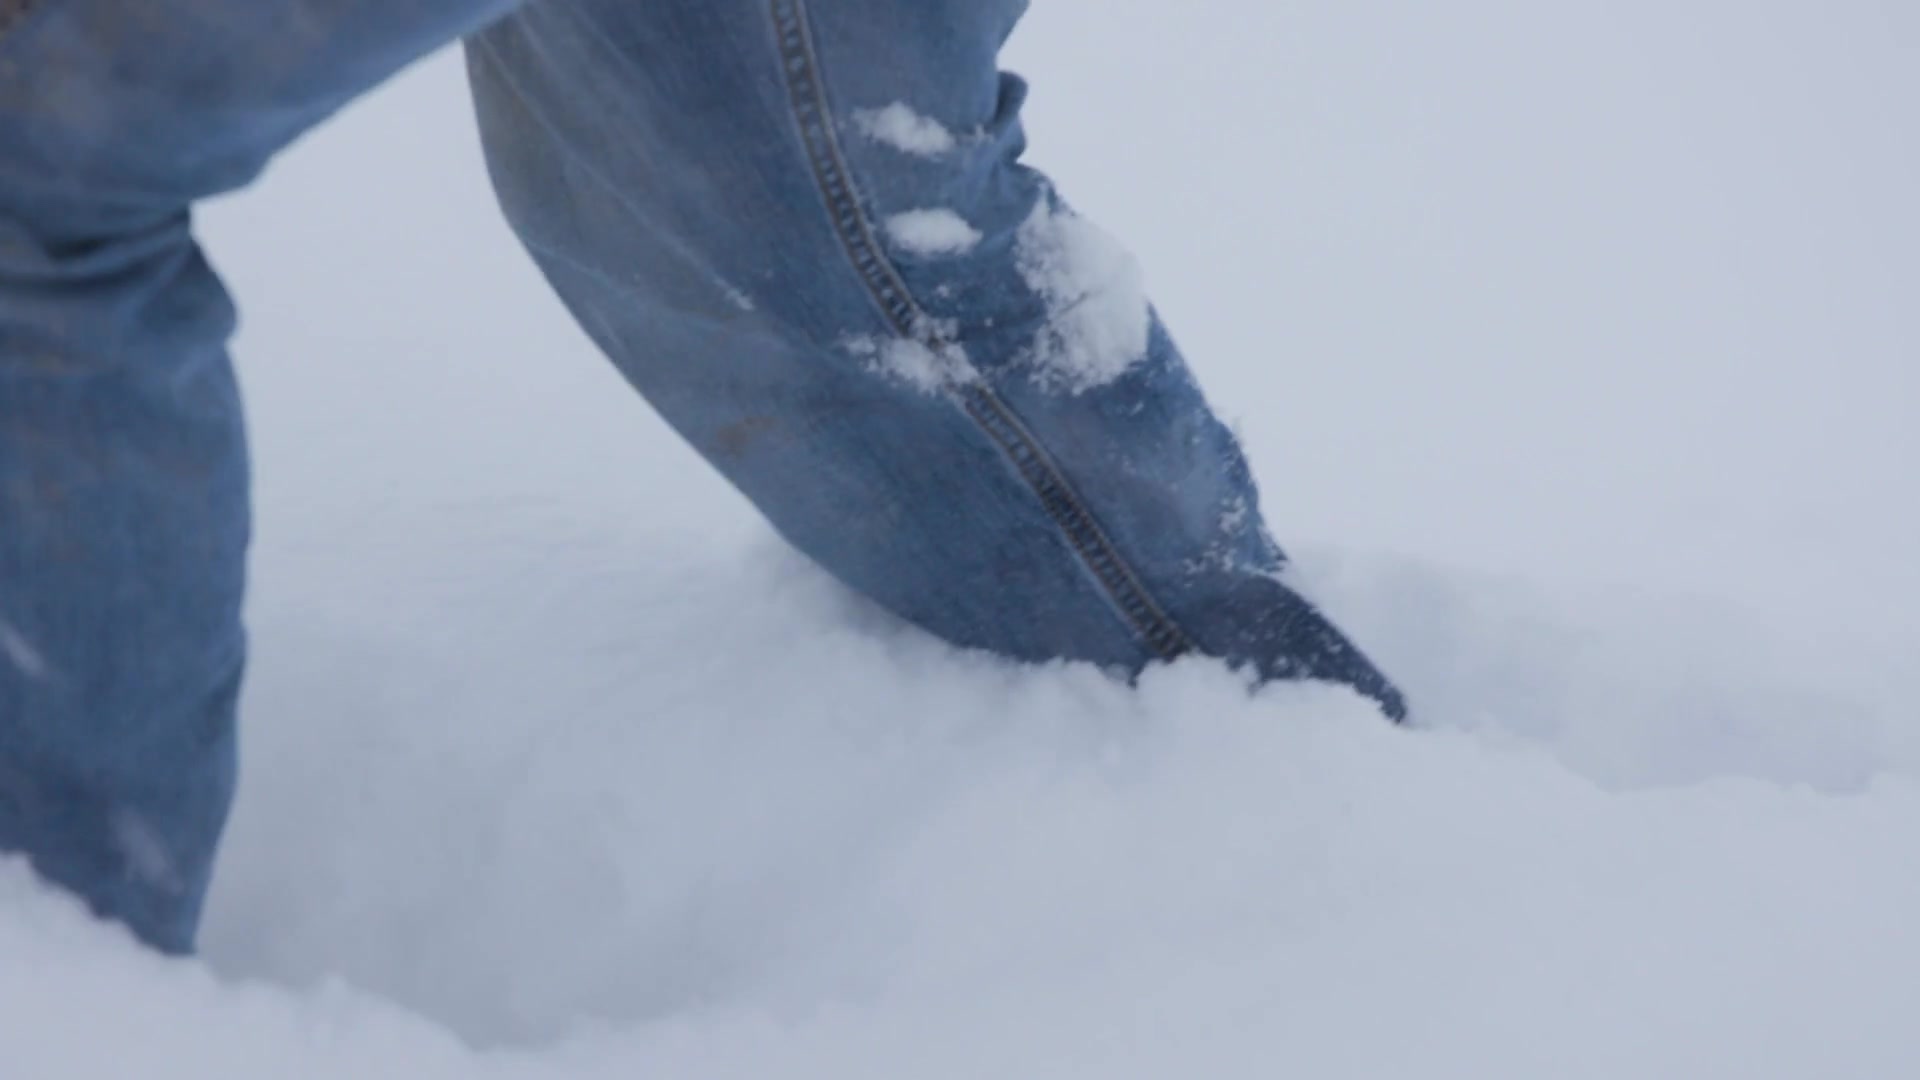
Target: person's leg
(123, 476)
(802, 231)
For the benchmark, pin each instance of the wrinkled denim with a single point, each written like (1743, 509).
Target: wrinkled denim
(800, 230)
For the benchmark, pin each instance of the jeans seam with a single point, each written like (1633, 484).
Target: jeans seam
(813, 119)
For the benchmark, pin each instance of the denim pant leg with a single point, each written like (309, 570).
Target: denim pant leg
(123, 473)
(803, 232)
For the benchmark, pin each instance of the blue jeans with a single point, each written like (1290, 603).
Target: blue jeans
(800, 230)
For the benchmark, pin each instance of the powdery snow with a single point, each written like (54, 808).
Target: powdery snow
(919, 365)
(494, 852)
(559, 767)
(1098, 318)
(936, 231)
(899, 126)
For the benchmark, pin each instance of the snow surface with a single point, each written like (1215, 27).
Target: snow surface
(1575, 347)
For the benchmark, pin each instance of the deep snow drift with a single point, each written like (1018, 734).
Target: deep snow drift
(1576, 351)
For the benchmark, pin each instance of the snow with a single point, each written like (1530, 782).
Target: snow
(899, 126)
(1098, 318)
(1574, 347)
(935, 231)
(146, 854)
(915, 363)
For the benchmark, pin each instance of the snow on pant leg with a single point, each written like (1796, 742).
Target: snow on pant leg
(803, 232)
(123, 472)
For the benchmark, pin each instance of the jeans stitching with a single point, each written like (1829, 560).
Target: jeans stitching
(807, 94)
